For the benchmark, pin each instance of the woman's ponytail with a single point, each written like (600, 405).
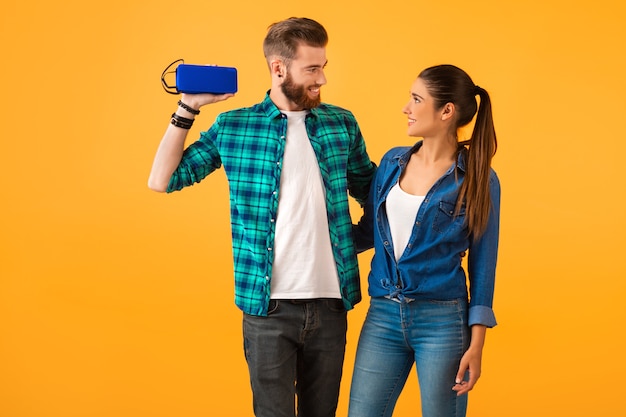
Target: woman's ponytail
(481, 148)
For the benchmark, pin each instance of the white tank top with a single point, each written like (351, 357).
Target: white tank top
(402, 210)
(304, 265)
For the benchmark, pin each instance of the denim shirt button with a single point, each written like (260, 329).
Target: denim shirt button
(386, 243)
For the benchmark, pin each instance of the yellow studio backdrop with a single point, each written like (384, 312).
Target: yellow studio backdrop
(118, 301)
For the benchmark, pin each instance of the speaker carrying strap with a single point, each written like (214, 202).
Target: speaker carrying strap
(171, 89)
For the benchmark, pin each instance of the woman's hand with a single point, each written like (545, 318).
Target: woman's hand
(471, 361)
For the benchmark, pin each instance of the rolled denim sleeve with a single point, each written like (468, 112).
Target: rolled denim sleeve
(483, 254)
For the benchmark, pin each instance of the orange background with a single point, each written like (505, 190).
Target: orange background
(118, 301)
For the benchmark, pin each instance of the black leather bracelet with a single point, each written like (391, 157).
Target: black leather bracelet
(181, 122)
(181, 118)
(189, 109)
(181, 125)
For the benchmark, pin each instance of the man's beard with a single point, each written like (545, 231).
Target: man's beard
(298, 94)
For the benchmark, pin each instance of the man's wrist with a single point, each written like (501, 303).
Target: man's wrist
(184, 113)
(189, 108)
(190, 102)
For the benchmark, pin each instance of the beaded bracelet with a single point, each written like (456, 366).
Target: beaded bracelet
(181, 122)
(189, 109)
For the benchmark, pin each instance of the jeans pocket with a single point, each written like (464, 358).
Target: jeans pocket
(273, 307)
(444, 302)
(335, 305)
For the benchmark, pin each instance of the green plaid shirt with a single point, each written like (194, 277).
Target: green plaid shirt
(250, 143)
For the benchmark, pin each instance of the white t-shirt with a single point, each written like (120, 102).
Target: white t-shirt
(304, 265)
(402, 210)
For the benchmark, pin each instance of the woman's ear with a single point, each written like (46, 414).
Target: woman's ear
(447, 111)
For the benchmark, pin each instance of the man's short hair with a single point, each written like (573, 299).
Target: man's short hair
(284, 37)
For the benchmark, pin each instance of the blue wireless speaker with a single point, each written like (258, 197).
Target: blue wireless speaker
(197, 79)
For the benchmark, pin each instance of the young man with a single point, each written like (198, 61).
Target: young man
(289, 161)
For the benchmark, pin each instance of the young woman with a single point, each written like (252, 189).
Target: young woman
(429, 205)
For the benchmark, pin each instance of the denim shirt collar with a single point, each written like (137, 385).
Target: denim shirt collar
(403, 157)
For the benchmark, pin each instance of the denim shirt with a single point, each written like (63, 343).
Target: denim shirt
(430, 266)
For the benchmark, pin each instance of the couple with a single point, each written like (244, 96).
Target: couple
(289, 161)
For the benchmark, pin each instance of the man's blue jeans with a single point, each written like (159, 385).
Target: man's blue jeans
(297, 350)
(432, 334)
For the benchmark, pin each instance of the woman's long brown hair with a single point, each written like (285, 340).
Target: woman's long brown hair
(450, 84)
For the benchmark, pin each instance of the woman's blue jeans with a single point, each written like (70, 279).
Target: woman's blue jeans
(432, 334)
(296, 351)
